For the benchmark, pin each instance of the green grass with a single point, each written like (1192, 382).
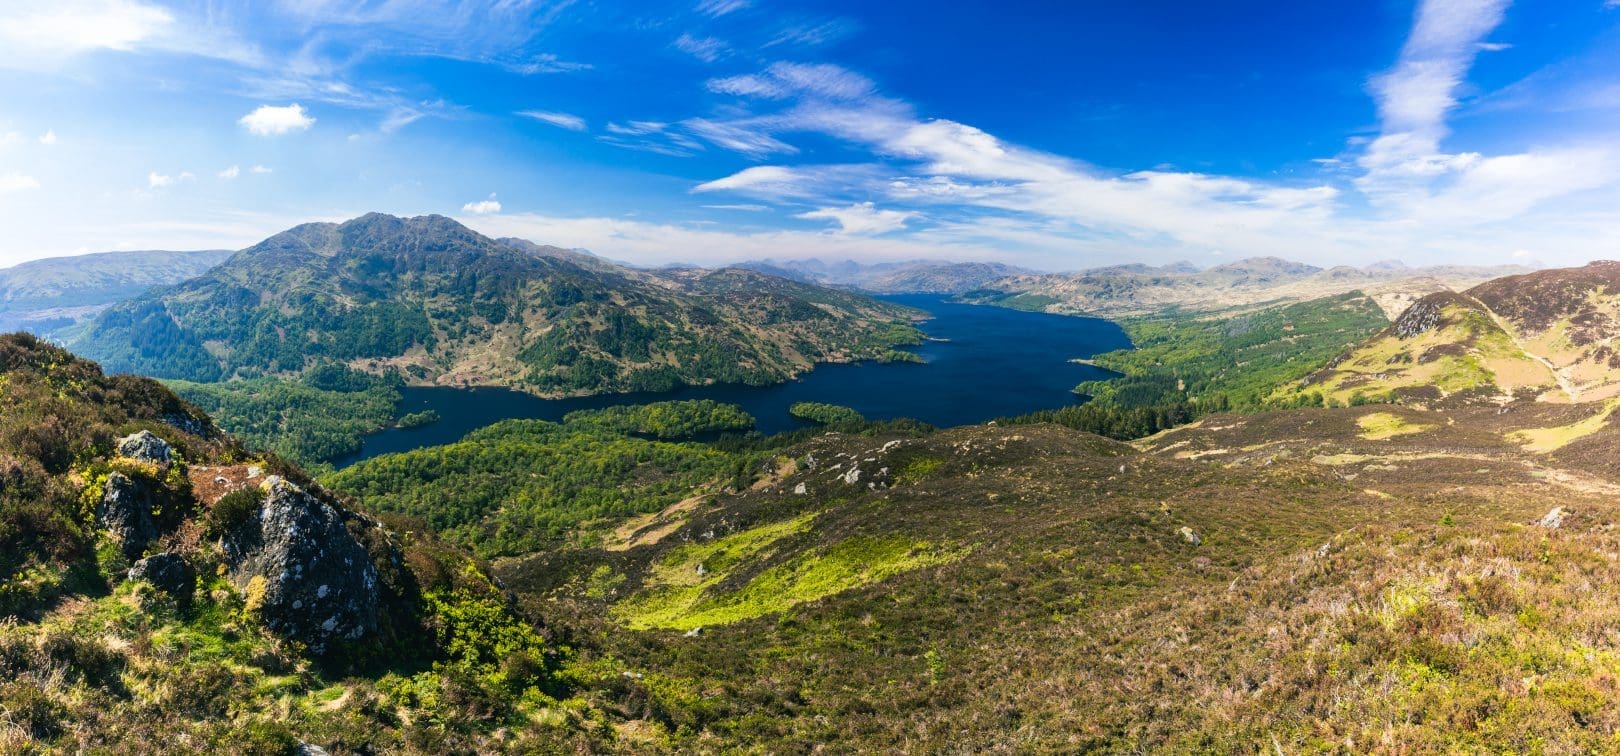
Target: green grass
(680, 598)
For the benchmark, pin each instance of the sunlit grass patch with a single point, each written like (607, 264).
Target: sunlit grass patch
(686, 601)
(1379, 426)
(1543, 440)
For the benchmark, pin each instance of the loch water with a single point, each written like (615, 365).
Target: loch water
(981, 363)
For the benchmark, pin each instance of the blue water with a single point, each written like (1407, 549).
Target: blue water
(992, 362)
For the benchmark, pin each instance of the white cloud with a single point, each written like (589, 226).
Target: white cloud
(745, 138)
(155, 180)
(723, 7)
(270, 120)
(637, 128)
(36, 32)
(16, 182)
(548, 63)
(706, 49)
(861, 218)
(262, 169)
(560, 120)
(230, 173)
(482, 207)
(794, 79)
(48, 138)
(745, 207)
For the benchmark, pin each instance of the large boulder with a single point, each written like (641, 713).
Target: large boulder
(145, 446)
(125, 512)
(168, 572)
(301, 570)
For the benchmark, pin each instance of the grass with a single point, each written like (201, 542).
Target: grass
(1379, 426)
(1543, 440)
(850, 564)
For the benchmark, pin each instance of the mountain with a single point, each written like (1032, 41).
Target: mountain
(1134, 290)
(1282, 581)
(907, 277)
(441, 304)
(42, 295)
(163, 588)
(1548, 335)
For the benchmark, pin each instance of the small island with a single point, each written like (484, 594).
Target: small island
(826, 414)
(417, 419)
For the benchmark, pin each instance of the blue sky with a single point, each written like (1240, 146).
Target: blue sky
(1059, 135)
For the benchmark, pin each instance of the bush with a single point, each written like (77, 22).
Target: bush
(233, 510)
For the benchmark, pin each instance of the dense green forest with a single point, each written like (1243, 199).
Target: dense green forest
(666, 420)
(1185, 366)
(518, 485)
(321, 417)
(825, 414)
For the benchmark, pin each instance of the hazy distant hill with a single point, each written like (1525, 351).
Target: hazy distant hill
(41, 295)
(911, 276)
(1549, 334)
(446, 305)
(1139, 290)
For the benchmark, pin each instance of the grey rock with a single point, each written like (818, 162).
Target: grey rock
(167, 572)
(1189, 536)
(694, 632)
(146, 447)
(320, 587)
(1553, 519)
(125, 512)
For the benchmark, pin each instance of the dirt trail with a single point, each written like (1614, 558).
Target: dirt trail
(1559, 375)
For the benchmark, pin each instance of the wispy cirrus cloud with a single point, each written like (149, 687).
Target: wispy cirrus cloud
(706, 49)
(567, 121)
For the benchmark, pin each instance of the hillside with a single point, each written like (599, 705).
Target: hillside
(162, 589)
(44, 295)
(440, 304)
(1136, 290)
(1546, 335)
(1356, 579)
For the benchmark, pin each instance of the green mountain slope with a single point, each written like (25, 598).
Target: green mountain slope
(441, 304)
(1548, 335)
(47, 294)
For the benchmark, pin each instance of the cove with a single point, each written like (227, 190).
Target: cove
(984, 362)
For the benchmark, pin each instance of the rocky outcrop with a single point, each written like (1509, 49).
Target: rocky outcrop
(145, 446)
(302, 571)
(125, 512)
(168, 572)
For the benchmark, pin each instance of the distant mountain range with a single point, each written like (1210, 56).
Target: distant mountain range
(1549, 335)
(1126, 290)
(445, 305)
(43, 295)
(911, 276)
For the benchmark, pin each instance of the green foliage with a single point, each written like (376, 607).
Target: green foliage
(418, 419)
(321, 418)
(1184, 366)
(826, 414)
(899, 355)
(519, 485)
(233, 510)
(666, 420)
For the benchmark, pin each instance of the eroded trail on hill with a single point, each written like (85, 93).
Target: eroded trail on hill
(1560, 375)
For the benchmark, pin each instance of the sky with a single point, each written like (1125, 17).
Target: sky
(1055, 135)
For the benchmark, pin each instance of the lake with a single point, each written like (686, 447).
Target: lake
(989, 362)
